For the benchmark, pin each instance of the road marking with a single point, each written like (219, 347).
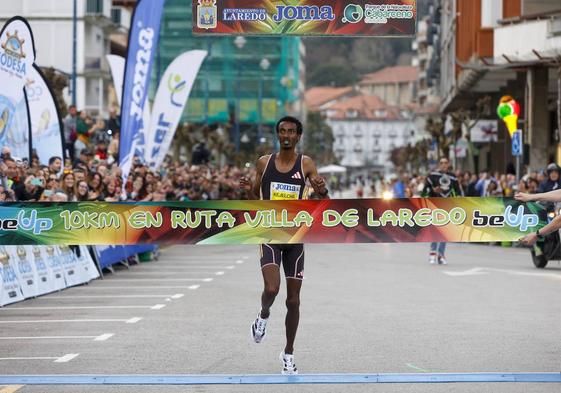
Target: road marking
(5, 309)
(239, 261)
(194, 286)
(106, 297)
(11, 388)
(136, 319)
(416, 368)
(157, 307)
(66, 358)
(177, 296)
(207, 280)
(133, 320)
(268, 379)
(157, 269)
(156, 279)
(230, 267)
(471, 272)
(219, 273)
(60, 359)
(90, 287)
(103, 337)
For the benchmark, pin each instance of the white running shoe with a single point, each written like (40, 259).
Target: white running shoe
(258, 328)
(288, 366)
(432, 258)
(442, 260)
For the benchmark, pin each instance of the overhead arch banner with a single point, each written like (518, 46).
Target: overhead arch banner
(256, 222)
(306, 17)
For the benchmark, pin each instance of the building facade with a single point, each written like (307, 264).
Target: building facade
(101, 29)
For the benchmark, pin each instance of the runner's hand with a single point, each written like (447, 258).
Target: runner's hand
(530, 239)
(318, 183)
(523, 197)
(245, 184)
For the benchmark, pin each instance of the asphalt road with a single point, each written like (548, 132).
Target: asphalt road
(365, 309)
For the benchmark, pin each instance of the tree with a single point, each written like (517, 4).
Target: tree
(58, 82)
(318, 139)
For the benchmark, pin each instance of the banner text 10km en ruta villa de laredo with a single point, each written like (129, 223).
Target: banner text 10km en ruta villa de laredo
(256, 222)
(305, 17)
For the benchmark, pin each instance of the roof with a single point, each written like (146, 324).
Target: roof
(391, 75)
(317, 96)
(365, 107)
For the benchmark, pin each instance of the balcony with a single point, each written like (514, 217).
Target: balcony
(99, 12)
(525, 39)
(121, 17)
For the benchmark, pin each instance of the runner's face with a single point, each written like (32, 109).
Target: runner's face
(288, 135)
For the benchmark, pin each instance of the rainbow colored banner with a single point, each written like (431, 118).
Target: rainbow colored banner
(305, 17)
(256, 222)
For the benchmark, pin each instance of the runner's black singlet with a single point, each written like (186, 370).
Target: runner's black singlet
(277, 185)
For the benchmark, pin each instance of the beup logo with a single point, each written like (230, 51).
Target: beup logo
(515, 220)
(352, 14)
(13, 53)
(206, 14)
(175, 85)
(303, 12)
(142, 56)
(31, 223)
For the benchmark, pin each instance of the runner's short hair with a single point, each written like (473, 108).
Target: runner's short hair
(291, 119)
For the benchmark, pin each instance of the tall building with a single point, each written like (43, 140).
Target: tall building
(101, 28)
(504, 47)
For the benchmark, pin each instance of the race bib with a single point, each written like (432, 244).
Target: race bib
(283, 191)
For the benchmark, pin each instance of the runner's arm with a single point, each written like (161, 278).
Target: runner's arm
(252, 188)
(317, 182)
(551, 196)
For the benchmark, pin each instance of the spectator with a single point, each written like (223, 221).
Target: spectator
(55, 165)
(67, 185)
(69, 129)
(81, 192)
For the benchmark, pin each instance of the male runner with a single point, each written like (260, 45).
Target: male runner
(283, 175)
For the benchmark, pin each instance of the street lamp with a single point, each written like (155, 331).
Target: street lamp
(264, 65)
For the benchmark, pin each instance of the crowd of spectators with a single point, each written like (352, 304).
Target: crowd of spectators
(91, 178)
(482, 184)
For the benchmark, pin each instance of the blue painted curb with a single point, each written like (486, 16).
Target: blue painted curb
(264, 379)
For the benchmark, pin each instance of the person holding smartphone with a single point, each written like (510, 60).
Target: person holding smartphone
(31, 190)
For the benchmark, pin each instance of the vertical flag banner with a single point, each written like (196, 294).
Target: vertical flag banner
(46, 125)
(117, 66)
(171, 97)
(44, 273)
(143, 40)
(11, 290)
(17, 54)
(20, 260)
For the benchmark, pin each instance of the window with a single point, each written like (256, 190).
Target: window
(380, 113)
(351, 113)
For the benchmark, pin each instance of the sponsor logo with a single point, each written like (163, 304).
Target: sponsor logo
(175, 85)
(31, 223)
(303, 12)
(296, 175)
(206, 14)
(283, 191)
(352, 13)
(32, 89)
(142, 57)
(12, 54)
(244, 14)
(376, 13)
(381, 13)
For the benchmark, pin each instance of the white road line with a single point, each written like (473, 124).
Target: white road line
(103, 337)
(104, 297)
(471, 272)
(177, 296)
(133, 320)
(230, 267)
(239, 261)
(219, 273)
(66, 358)
(143, 287)
(61, 359)
(136, 319)
(194, 286)
(154, 279)
(5, 309)
(208, 279)
(157, 307)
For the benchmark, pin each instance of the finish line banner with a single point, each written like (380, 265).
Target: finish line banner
(256, 222)
(305, 17)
